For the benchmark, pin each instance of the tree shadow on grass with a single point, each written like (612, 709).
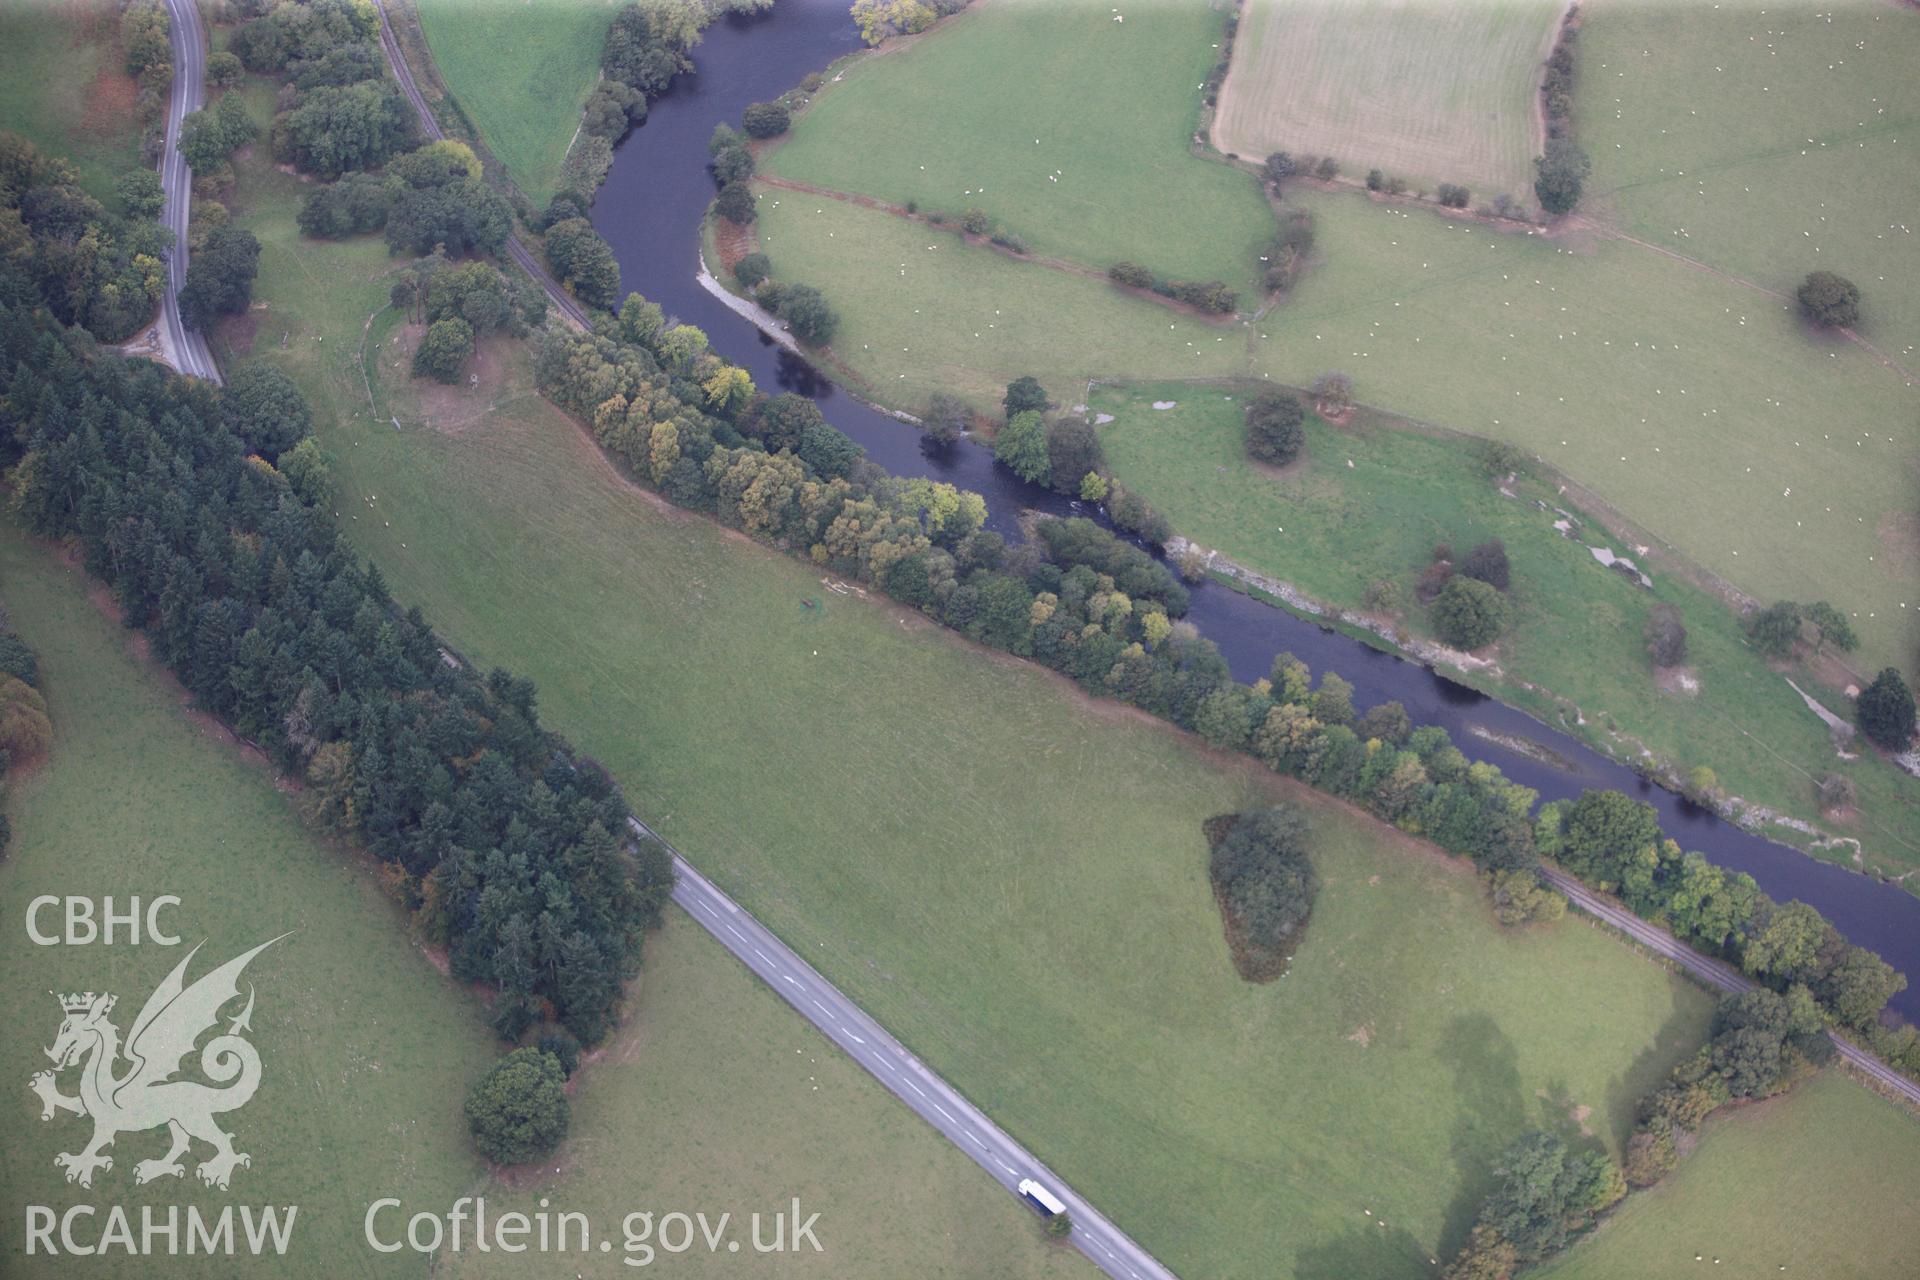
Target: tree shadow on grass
(1649, 1069)
(1371, 1252)
(1491, 1109)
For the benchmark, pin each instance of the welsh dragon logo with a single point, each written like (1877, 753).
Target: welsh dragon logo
(146, 1094)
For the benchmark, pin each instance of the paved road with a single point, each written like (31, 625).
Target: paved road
(563, 302)
(1715, 972)
(186, 347)
(888, 1061)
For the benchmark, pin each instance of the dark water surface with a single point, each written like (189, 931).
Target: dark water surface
(650, 211)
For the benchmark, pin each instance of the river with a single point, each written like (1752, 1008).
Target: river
(649, 211)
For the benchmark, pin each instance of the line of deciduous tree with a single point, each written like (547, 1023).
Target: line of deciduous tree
(1562, 167)
(1093, 607)
(1549, 1189)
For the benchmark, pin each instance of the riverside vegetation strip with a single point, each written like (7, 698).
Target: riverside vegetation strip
(782, 1150)
(1749, 472)
(1370, 500)
(1552, 366)
(1693, 402)
(1126, 1086)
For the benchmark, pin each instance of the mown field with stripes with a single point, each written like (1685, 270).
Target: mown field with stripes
(1431, 91)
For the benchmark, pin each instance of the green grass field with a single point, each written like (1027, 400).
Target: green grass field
(521, 72)
(922, 312)
(1332, 529)
(982, 899)
(947, 888)
(1695, 407)
(367, 1050)
(1009, 876)
(1071, 129)
(718, 1098)
(1765, 141)
(1819, 1183)
(64, 88)
(1428, 92)
(714, 1097)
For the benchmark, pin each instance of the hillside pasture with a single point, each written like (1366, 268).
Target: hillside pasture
(921, 311)
(1072, 130)
(1699, 408)
(64, 87)
(1072, 981)
(713, 1096)
(521, 73)
(936, 829)
(1766, 141)
(716, 1097)
(1818, 1183)
(1369, 501)
(1428, 90)
(367, 1049)
(1705, 412)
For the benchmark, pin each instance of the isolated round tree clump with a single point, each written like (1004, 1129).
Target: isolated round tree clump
(519, 1110)
(765, 119)
(752, 269)
(1830, 301)
(1274, 431)
(1468, 613)
(1024, 393)
(1886, 711)
(1022, 446)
